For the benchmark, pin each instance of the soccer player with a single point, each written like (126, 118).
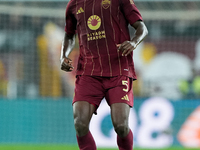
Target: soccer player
(105, 66)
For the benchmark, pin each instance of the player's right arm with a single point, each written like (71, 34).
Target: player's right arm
(67, 46)
(69, 38)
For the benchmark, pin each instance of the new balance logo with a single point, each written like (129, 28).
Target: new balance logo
(80, 10)
(125, 98)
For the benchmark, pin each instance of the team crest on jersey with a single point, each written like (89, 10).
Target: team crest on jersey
(94, 22)
(105, 3)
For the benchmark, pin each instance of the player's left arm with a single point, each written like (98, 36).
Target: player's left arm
(140, 33)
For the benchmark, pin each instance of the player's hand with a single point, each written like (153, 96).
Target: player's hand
(66, 64)
(126, 47)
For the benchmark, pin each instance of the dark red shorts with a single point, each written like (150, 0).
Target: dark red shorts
(114, 89)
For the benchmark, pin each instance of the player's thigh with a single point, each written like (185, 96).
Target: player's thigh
(120, 114)
(83, 111)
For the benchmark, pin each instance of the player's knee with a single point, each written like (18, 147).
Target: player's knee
(121, 129)
(81, 127)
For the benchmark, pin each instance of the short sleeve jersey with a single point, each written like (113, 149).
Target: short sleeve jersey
(101, 25)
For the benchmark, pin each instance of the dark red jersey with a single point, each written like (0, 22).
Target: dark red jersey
(101, 25)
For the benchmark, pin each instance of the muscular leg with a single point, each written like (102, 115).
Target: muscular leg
(120, 116)
(83, 112)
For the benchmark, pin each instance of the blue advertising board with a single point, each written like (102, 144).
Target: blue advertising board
(156, 122)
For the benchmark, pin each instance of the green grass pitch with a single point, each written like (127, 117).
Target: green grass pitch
(66, 147)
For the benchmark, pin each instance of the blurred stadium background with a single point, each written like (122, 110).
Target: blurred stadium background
(35, 96)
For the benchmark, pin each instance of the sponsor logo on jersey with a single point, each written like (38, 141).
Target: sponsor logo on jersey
(80, 11)
(105, 3)
(96, 35)
(94, 22)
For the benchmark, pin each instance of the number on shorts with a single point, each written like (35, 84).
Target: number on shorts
(124, 82)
